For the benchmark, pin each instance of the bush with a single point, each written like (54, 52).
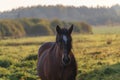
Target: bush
(35, 27)
(11, 28)
(109, 71)
(21, 76)
(31, 57)
(5, 63)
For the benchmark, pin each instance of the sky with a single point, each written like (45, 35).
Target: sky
(13, 4)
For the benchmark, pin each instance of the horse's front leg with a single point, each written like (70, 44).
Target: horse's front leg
(72, 78)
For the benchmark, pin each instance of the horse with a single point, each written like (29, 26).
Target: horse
(56, 61)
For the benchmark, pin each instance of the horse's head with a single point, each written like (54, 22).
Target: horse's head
(64, 41)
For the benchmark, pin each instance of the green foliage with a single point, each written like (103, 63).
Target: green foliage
(91, 15)
(108, 73)
(31, 57)
(5, 63)
(4, 72)
(96, 60)
(86, 27)
(21, 76)
(11, 28)
(36, 27)
(26, 63)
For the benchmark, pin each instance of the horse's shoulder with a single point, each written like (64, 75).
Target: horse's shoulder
(49, 44)
(45, 47)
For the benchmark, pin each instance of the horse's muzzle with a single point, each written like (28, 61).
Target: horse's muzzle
(66, 59)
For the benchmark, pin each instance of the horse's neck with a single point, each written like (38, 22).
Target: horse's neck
(56, 52)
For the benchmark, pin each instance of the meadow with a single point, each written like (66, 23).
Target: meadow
(115, 29)
(97, 56)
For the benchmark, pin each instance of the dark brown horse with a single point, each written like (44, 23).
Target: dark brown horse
(55, 59)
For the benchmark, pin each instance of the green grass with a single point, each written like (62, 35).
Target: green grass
(96, 59)
(106, 30)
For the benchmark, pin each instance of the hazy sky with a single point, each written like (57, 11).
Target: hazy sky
(10, 4)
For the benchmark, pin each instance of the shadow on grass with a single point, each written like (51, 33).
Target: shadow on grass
(111, 72)
(31, 57)
(25, 43)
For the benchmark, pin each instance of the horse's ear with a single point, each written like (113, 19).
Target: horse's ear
(70, 29)
(58, 29)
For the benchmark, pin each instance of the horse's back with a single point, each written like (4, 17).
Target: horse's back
(45, 47)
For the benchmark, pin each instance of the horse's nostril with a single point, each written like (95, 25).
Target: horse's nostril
(66, 60)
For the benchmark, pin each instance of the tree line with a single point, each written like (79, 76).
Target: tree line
(93, 16)
(37, 27)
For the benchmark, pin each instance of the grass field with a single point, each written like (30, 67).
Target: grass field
(98, 57)
(106, 30)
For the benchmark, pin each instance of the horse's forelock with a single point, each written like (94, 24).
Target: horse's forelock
(64, 36)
